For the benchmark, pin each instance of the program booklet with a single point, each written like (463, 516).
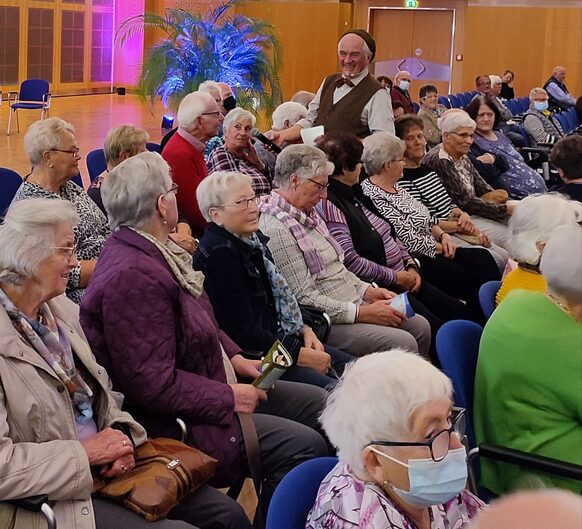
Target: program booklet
(401, 304)
(273, 365)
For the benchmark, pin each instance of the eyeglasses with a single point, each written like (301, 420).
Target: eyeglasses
(173, 189)
(465, 135)
(320, 187)
(66, 250)
(242, 204)
(215, 114)
(73, 152)
(438, 444)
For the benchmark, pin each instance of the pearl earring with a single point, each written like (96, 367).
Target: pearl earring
(51, 166)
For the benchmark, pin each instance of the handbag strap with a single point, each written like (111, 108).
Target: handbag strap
(253, 452)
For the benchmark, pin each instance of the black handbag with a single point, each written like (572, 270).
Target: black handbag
(318, 320)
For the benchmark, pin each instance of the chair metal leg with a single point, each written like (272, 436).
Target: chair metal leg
(9, 121)
(17, 122)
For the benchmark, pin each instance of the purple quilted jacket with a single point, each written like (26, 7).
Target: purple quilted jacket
(160, 346)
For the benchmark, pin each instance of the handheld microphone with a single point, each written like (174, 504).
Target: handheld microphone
(256, 133)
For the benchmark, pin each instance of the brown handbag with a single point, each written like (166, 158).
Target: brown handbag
(165, 471)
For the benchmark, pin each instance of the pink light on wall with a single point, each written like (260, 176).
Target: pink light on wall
(128, 59)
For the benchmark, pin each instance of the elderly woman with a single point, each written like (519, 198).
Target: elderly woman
(430, 111)
(469, 191)
(401, 465)
(238, 154)
(532, 223)
(251, 299)
(459, 272)
(424, 185)
(519, 180)
(151, 324)
(538, 120)
(312, 262)
(60, 423)
(54, 155)
(529, 374)
(566, 156)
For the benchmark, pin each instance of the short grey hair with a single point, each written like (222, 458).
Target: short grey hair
(400, 380)
(131, 190)
(124, 138)
(380, 148)
(535, 91)
(454, 119)
(304, 161)
(236, 115)
(533, 221)
(400, 74)
(495, 79)
(191, 108)
(303, 97)
(44, 135)
(212, 88)
(561, 262)
(214, 190)
(288, 111)
(27, 234)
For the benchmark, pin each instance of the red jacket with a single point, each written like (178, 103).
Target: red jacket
(188, 170)
(403, 97)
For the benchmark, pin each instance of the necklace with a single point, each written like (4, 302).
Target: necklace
(559, 303)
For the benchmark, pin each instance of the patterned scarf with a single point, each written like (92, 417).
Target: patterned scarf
(297, 221)
(290, 319)
(180, 262)
(51, 343)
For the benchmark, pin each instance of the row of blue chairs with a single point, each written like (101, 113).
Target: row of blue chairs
(569, 120)
(518, 106)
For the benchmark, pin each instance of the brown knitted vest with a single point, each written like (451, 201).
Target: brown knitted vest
(345, 114)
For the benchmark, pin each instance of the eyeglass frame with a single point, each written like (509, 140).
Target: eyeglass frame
(238, 203)
(70, 249)
(72, 152)
(321, 187)
(216, 114)
(460, 413)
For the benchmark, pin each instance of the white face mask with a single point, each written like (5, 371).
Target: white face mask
(432, 482)
(404, 85)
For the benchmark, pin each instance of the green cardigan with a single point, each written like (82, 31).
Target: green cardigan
(528, 387)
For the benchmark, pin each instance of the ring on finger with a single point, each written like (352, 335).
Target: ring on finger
(123, 468)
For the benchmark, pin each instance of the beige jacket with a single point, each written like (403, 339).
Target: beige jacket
(431, 130)
(39, 453)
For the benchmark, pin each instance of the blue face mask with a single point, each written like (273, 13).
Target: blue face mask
(541, 105)
(404, 85)
(431, 482)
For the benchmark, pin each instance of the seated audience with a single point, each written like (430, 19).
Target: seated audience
(566, 156)
(61, 423)
(400, 91)
(151, 325)
(519, 180)
(238, 154)
(529, 374)
(423, 184)
(401, 464)
(54, 156)
(560, 97)
(538, 120)
(303, 98)
(459, 272)
(530, 226)
(397, 109)
(252, 301)
(507, 91)
(505, 122)
(386, 82)
(430, 111)
(469, 191)
(311, 261)
(199, 118)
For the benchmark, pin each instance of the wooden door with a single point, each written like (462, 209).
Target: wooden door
(415, 40)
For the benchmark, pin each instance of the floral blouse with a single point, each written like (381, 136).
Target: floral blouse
(345, 502)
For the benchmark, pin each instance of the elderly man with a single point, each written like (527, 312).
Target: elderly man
(560, 98)
(198, 120)
(350, 101)
(483, 84)
(400, 92)
(487, 207)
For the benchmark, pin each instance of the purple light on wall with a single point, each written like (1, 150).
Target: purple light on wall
(128, 59)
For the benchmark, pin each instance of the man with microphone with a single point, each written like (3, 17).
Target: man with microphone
(350, 101)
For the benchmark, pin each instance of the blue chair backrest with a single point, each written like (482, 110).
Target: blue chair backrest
(96, 163)
(10, 181)
(295, 495)
(572, 117)
(463, 99)
(33, 89)
(513, 106)
(487, 294)
(563, 120)
(455, 103)
(154, 147)
(416, 106)
(444, 101)
(457, 345)
(523, 104)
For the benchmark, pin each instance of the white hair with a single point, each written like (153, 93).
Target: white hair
(455, 119)
(192, 107)
(27, 234)
(380, 148)
(215, 189)
(44, 135)
(533, 221)
(495, 79)
(289, 111)
(561, 262)
(535, 91)
(400, 74)
(303, 160)
(236, 115)
(212, 88)
(131, 190)
(365, 47)
(376, 398)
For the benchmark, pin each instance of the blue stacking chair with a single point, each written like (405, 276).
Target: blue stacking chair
(455, 103)
(468, 97)
(457, 345)
(513, 106)
(10, 181)
(444, 101)
(416, 106)
(154, 147)
(34, 95)
(96, 163)
(295, 495)
(563, 120)
(463, 99)
(487, 294)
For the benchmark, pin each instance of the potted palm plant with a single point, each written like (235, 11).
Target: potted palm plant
(219, 45)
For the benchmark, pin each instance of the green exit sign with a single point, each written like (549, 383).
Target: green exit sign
(411, 4)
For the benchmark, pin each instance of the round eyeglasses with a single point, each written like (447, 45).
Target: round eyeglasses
(242, 204)
(438, 444)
